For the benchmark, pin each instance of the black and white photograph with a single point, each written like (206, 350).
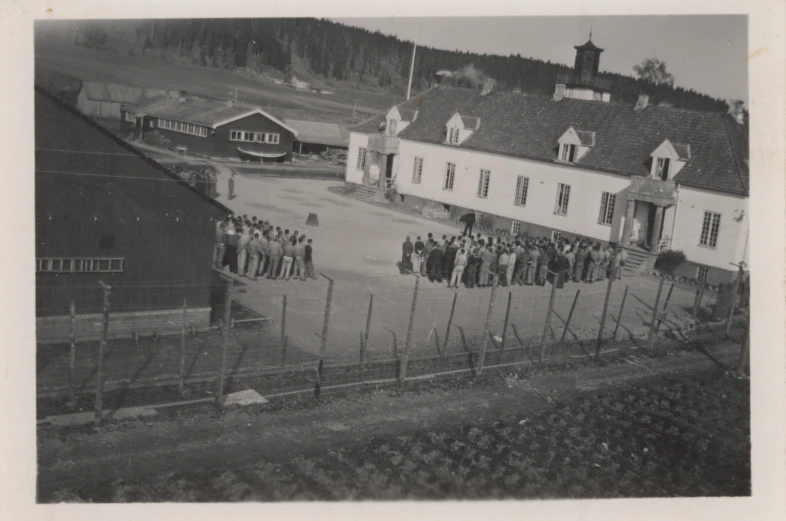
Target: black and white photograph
(285, 259)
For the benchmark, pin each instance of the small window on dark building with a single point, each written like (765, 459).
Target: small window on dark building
(103, 265)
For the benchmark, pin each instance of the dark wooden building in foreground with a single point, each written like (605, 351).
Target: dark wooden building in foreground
(105, 212)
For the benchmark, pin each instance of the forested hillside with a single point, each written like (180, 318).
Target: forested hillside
(330, 52)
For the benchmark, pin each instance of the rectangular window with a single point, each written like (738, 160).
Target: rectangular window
(478, 216)
(450, 176)
(709, 229)
(662, 168)
(555, 236)
(522, 186)
(271, 138)
(568, 153)
(563, 196)
(702, 273)
(130, 117)
(361, 164)
(515, 228)
(417, 170)
(483, 184)
(454, 136)
(59, 265)
(607, 201)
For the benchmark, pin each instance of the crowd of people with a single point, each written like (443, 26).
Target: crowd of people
(474, 261)
(253, 248)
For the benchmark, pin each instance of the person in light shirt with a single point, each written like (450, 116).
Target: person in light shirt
(458, 268)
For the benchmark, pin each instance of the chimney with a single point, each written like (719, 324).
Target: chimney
(736, 111)
(488, 86)
(559, 92)
(642, 102)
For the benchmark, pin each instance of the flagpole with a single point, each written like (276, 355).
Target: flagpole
(412, 63)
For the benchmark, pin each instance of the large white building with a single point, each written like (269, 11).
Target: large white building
(576, 164)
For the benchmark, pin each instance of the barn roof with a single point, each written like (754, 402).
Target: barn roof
(113, 93)
(624, 138)
(55, 148)
(211, 113)
(319, 133)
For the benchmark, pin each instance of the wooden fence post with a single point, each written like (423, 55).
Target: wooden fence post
(487, 327)
(548, 316)
(99, 412)
(364, 345)
(182, 385)
(599, 341)
(655, 307)
(570, 315)
(402, 375)
(742, 362)
(72, 356)
(225, 340)
(283, 331)
(619, 317)
(450, 323)
(665, 307)
(733, 301)
(323, 342)
(507, 317)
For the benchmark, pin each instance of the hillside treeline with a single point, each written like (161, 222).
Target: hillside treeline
(332, 52)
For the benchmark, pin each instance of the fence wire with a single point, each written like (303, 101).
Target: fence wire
(274, 338)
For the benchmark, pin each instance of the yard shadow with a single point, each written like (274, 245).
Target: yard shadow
(134, 377)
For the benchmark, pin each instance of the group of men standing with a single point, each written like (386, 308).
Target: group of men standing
(474, 261)
(254, 248)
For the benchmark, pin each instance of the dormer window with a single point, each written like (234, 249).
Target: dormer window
(573, 144)
(662, 168)
(668, 159)
(453, 136)
(568, 153)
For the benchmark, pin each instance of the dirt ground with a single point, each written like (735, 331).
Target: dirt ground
(199, 456)
(358, 246)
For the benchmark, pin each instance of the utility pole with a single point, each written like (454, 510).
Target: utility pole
(412, 63)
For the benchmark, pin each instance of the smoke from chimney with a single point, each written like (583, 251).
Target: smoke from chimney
(736, 110)
(642, 102)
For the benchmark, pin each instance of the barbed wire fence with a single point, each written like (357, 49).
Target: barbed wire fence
(110, 346)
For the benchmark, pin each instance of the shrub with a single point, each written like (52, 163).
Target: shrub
(456, 212)
(668, 261)
(488, 222)
(391, 194)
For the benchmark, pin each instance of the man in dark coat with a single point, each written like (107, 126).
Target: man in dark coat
(561, 265)
(407, 249)
(469, 221)
(434, 265)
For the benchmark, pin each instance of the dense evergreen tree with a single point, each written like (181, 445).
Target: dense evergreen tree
(332, 51)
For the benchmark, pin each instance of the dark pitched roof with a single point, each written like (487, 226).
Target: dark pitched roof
(589, 46)
(529, 127)
(123, 147)
(319, 133)
(683, 151)
(211, 113)
(470, 122)
(587, 137)
(408, 114)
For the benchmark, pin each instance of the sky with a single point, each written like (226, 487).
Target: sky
(706, 53)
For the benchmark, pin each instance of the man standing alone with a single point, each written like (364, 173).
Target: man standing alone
(407, 249)
(469, 221)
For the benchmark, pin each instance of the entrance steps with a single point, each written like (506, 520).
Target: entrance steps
(636, 260)
(364, 193)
